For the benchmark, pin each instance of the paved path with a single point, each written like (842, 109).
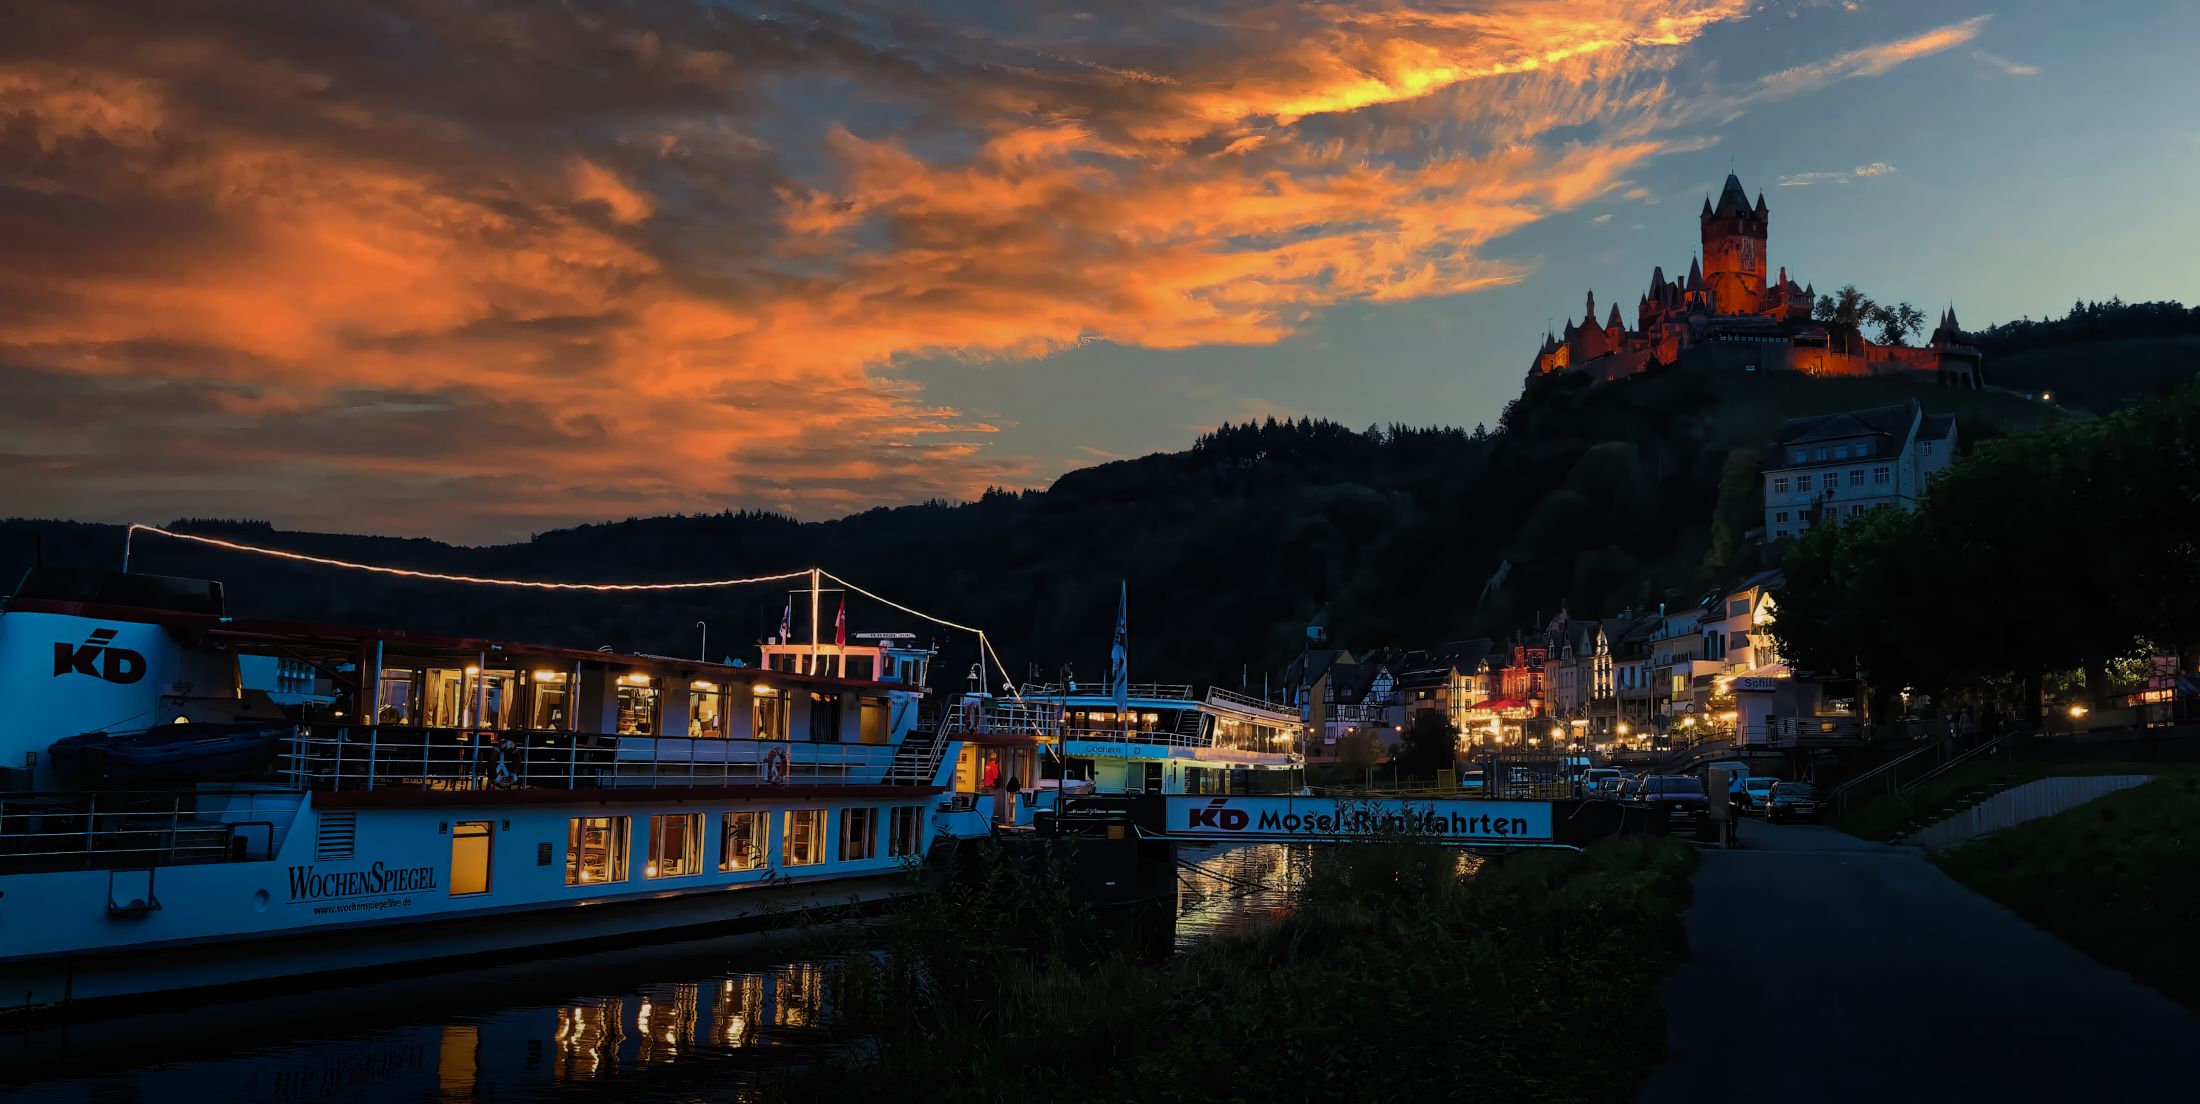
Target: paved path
(1822, 967)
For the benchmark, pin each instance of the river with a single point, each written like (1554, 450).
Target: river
(697, 1020)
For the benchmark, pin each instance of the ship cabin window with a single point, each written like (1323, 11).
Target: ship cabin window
(595, 850)
(398, 697)
(874, 721)
(742, 840)
(857, 666)
(804, 841)
(553, 704)
(858, 834)
(706, 710)
(469, 857)
(905, 830)
(637, 694)
(470, 697)
(770, 709)
(675, 846)
(824, 718)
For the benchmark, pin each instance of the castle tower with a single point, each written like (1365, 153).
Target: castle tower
(1734, 235)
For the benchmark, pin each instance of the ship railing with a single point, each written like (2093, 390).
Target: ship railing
(338, 757)
(1232, 700)
(88, 830)
(996, 717)
(1162, 690)
(1188, 735)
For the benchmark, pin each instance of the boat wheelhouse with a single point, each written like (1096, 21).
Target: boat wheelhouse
(165, 826)
(1161, 739)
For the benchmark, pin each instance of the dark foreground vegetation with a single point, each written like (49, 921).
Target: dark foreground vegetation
(1396, 977)
(2118, 878)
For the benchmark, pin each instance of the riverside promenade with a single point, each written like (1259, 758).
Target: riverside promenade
(1824, 967)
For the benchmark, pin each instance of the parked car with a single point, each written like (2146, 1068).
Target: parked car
(1609, 787)
(1680, 798)
(1756, 792)
(1794, 801)
(1586, 784)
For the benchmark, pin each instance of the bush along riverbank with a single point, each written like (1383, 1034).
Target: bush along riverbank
(1395, 977)
(2117, 878)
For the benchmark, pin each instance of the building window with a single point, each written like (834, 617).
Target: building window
(804, 841)
(1781, 517)
(1779, 484)
(675, 846)
(904, 830)
(469, 857)
(1879, 476)
(1856, 477)
(595, 850)
(1802, 456)
(770, 710)
(1802, 483)
(1855, 510)
(706, 710)
(1928, 447)
(858, 834)
(741, 841)
(637, 696)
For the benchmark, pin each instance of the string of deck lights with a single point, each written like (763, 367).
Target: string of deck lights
(135, 528)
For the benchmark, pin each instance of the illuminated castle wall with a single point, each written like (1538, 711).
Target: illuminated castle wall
(1725, 313)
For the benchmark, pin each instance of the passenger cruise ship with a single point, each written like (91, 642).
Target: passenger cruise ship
(163, 827)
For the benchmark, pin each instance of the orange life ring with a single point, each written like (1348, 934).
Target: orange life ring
(776, 766)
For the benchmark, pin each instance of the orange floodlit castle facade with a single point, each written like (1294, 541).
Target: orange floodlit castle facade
(1727, 313)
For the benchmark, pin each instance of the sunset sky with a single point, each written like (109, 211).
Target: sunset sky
(473, 270)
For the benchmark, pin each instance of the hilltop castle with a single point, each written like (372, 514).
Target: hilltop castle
(1725, 314)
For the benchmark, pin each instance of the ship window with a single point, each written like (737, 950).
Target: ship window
(469, 857)
(675, 845)
(398, 697)
(824, 718)
(553, 710)
(771, 707)
(904, 830)
(637, 696)
(706, 709)
(858, 834)
(741, 841)
(857, 667)
(804, 842)
(595, 850)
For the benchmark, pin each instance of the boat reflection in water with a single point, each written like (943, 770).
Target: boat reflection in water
(699, 1020)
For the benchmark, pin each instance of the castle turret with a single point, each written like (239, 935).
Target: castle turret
(1734, 238)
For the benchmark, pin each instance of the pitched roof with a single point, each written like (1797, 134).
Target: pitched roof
(1937, 427)
(1732, 198)
(1889, 424)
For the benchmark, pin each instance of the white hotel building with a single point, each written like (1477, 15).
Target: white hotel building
(1839, 465)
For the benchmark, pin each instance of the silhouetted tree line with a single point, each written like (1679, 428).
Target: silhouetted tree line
(1597, 498)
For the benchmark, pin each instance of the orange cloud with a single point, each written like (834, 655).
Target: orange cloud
(477, 270)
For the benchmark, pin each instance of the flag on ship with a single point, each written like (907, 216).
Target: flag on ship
(840, 624)
(786, 622)
(1119, 655)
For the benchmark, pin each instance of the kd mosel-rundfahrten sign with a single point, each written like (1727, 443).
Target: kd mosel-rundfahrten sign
(1452, 820)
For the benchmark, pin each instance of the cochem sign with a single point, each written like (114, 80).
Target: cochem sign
(1449, 820)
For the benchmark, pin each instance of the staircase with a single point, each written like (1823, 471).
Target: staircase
(917, 758)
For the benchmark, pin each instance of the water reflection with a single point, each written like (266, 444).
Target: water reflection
(699, 1020)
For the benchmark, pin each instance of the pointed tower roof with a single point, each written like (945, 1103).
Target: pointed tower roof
(1732, 199)
(1952, 325)
(1657, 276)
(1706, 207)
(1589, 320)
(1760, 203)
(1695, 275)
(1613, 323)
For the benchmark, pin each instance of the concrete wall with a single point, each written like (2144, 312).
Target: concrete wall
(2030, 801)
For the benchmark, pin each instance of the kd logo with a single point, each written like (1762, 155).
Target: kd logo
(1213, 815)
(95, 658)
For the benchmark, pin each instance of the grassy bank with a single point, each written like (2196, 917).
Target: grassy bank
(1393, 978)
(1888, 816)
(2118, 878)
